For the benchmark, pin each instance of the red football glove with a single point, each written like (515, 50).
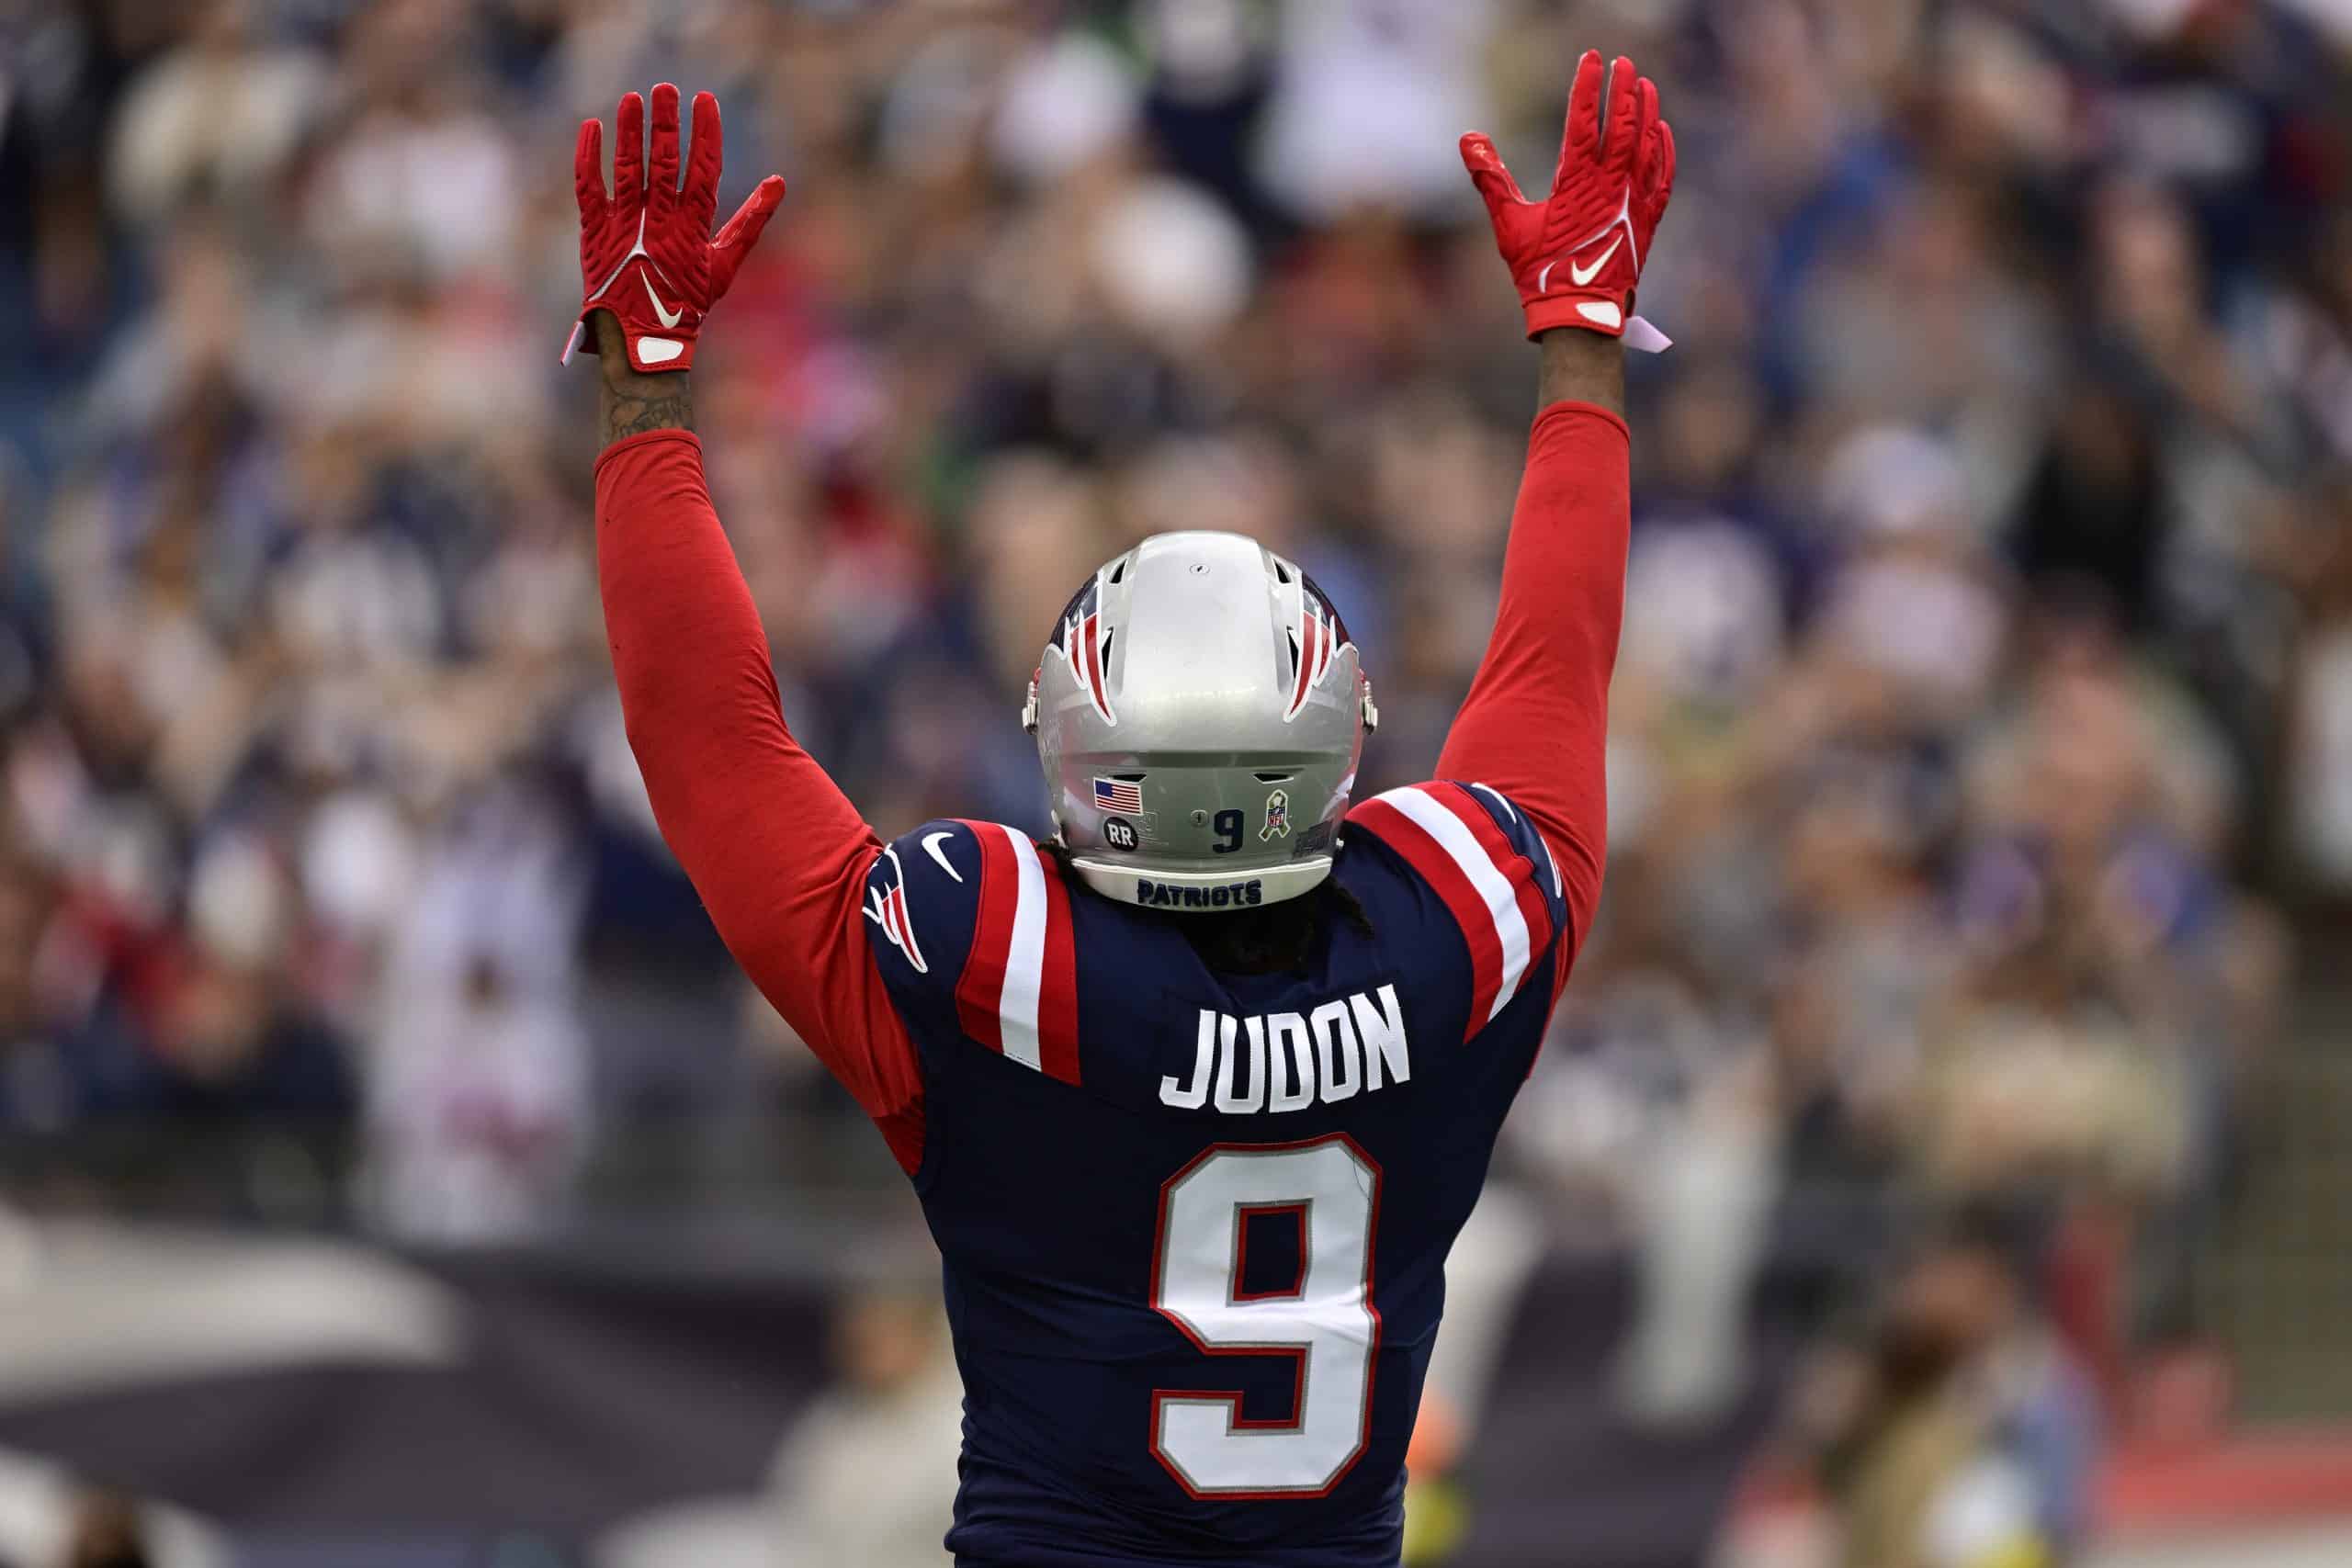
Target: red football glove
(646, 252)
(1577, 254)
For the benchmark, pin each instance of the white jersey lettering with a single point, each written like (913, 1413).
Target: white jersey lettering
(1288, 1061)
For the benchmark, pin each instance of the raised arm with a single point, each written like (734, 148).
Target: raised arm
(777, 853)
(1536, 723)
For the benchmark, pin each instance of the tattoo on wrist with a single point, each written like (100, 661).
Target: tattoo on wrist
(633, 404)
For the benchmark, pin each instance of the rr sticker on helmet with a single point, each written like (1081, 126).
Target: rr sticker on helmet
(1119, 833)
(1277, 816)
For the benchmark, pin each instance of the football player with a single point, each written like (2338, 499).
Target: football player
(1197, 1093)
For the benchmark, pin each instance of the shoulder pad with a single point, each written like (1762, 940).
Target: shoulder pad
(1492, 870)
(971, 928)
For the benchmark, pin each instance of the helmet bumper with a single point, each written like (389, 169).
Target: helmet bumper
(1202, 892)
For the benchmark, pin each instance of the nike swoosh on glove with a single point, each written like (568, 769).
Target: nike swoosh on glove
(1577, 254)
(646, 250)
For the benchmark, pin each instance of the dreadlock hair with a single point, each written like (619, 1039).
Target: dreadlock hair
(1267, 939)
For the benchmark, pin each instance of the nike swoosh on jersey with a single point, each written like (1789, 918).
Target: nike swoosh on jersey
(669, 318)
(931, 848)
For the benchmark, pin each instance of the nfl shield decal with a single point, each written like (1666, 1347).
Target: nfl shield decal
(1277, 816)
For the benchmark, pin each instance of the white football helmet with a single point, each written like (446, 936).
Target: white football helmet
(1199, 714)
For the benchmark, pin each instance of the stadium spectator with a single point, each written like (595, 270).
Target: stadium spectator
(868, 1475)
(1961, 1436)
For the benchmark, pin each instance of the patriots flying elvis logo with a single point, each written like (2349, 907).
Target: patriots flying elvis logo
(886, 906)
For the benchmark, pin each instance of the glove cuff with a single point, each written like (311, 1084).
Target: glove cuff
(649, 354)
(656, 343)
(1589, 312)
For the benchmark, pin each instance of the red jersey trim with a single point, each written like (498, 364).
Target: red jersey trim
(1534, 910)
(1018, 991)
(1437, 868)
(979, 989)
(1057, 985)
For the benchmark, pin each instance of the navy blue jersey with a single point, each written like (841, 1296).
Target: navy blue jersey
(1194, 1224)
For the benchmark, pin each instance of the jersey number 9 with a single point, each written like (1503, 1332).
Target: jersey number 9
(1327, 1323)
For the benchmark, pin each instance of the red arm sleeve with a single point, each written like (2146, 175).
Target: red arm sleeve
(777, 851)
(1536, 723)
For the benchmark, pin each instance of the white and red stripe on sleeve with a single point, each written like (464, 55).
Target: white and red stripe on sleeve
(1494, 892)
(1018, 992)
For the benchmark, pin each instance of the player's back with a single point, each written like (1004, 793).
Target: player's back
(1194, 1223)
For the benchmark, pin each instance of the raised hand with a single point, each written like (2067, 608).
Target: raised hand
(1576, 255)
(646, 254)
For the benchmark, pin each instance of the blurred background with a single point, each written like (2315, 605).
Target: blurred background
(1940, 1158)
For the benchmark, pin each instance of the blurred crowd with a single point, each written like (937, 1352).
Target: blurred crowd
(1986, 688)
